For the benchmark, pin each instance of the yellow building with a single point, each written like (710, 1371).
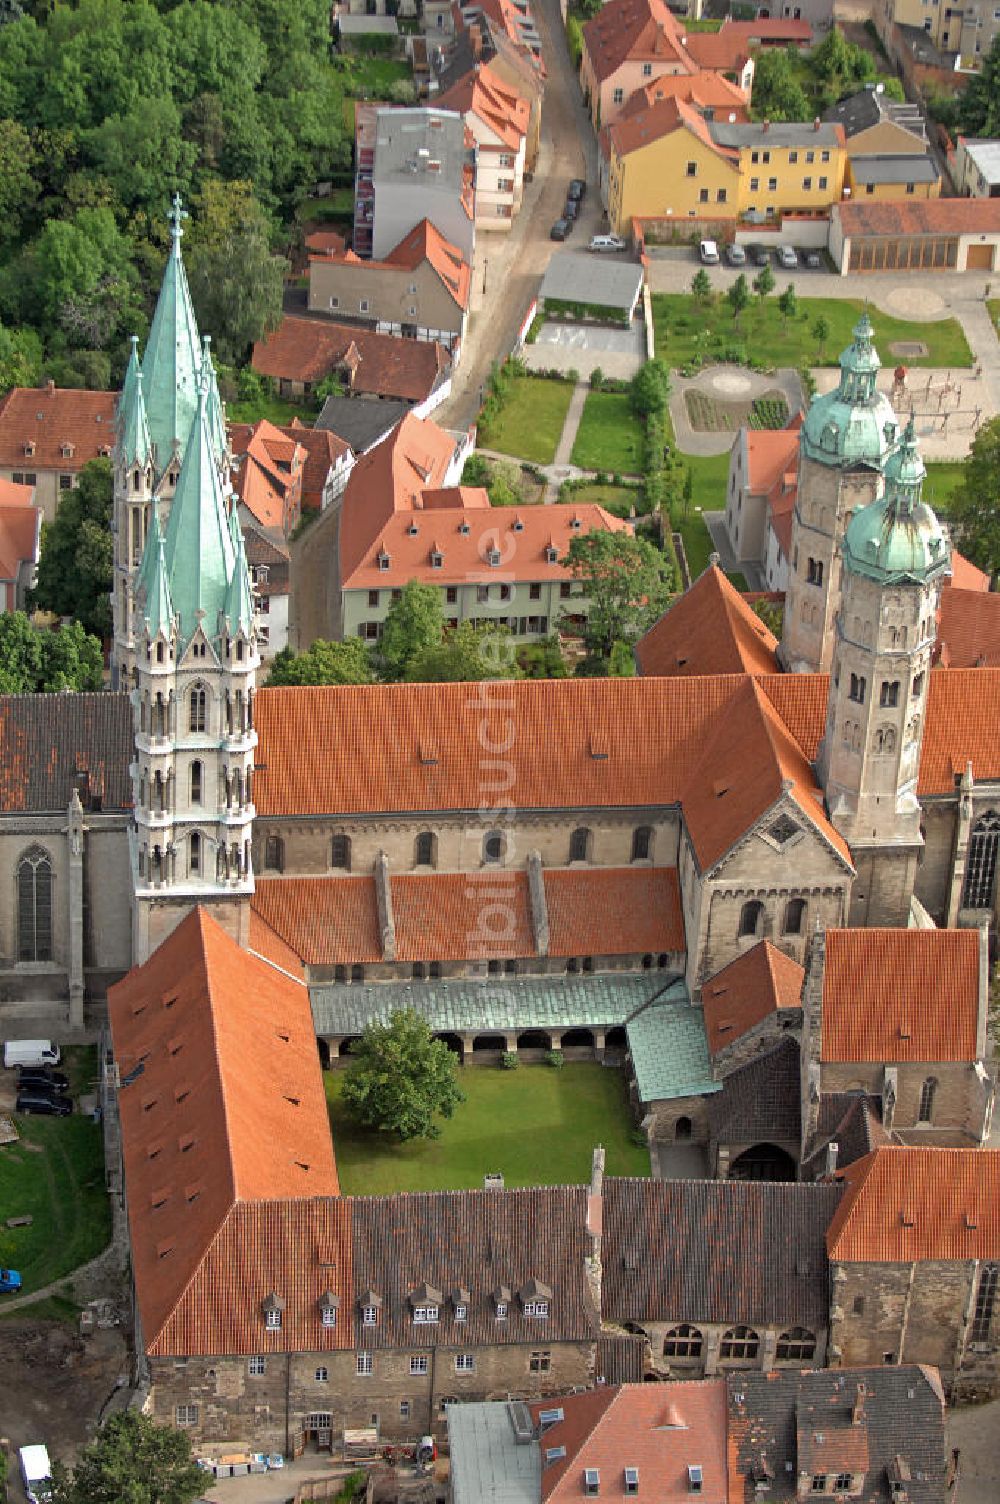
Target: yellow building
(667, 162)
(886, 176)
(888, 156)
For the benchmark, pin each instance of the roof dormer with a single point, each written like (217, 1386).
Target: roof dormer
(329, 1305)
(535, 1298)
(425, 1304)
(273, 1308)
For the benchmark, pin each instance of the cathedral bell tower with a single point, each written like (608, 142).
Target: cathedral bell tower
(895, 559)
(195, 670)
(846, 439)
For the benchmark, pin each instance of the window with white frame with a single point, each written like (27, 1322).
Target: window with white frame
(461, 1312)
(365, 1365)
(322, 1375)
(257, 1366)
(272, 1319)
(539, 1308)
(419, 1364)
(328, 1315)
(425, 1315)
(186, 1415)
(465, 1363)
(369, 1315)
(501, 1310)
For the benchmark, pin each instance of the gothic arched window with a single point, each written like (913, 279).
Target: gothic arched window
(197, 771)
(795, 1345)
(751, 918)
(194, 853)
(425, 849)
(684, 1341)
(927, 1093)
(857, 689)
(795, 913)
(579, 845)
(340, 852)
(642, 843)
(740, 1342)
(198, 702)
(981, 863)
(986, 1294)
(34, 905)
(493, 847)
(885, 739)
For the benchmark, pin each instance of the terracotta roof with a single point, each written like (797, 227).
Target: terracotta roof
(968, 629)
(20, 536)
(660, 1430)
(781, 509)
(484, 94)
(963, 712)
(268, 944)
(463, 536)
(702, 1250)
(454, 916)
(325, 920)
(641, 29)
(719, 51)
(933, 216)
(801, 702)
(322, 451)
(710, 629)
(379, 364)
(613, 910)
(12, 495)
(903, 1205)
(51, 743)
(228, 1107)
(641, 128)
(896, 995)
(705, 90)
(325, 242)
(771, 453)
(426, 243)
(53, 419)
(761, 1100)
(964, 574)
(769, 29)
(267, 477)
(480, 1240)
(760, 982)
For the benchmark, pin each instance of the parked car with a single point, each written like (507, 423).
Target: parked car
(43, 1103)
(709, 252)
(36, 1473)
(572, 208)
(608, 243)
(30, 1052)
(559, 230)
(10, 1281)
(813, 260)
(762, 255)
(577, 189)
(736, 255)
(41, 1078)
(787, 256)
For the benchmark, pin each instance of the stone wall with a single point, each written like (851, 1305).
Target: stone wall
(960, 1099)
(709, 1361)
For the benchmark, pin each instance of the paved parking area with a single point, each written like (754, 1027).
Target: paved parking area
(583, 347)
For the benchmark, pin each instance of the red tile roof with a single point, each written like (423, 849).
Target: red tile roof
(613, 910)
(326, 920)
(639, 129)
(20, 536)
(761, 982)
(801, 702)
(52, 419)
(902, 1205)
(968, 629)
(267, 477)
(229, 1107)
(769, 29)
(12, 495)
(964, 574)
(456, 916)
(771, 453)
(658, 1429)
(705, 90)
(898, 995)
(633, 29)
(377, 364)
(719, 51)
(325, 243)
(323, 450)
(963, 713)
(426, 243)
(483, 93)
(268, 944)
(932, 216)
(710, 629)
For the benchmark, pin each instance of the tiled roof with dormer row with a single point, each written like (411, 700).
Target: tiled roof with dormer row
(55, 428)
(53, 743)
(910, 1205)
(379, 365)
(721, 1251)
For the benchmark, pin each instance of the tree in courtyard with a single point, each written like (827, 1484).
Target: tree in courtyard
(504, 484)
(627, 582)
(979, 102)
(414, 625)
(131, 1460)
(975, 507)
(649, 389)
(701, 286)
(34, 660)
(77, 558)
(788, 304)
(821, 330)
(777, 94)
(236, 283)
(738, 297)
(468, 653)
(772, 614)
(323, 663)
(763, 283)
(401, 1079)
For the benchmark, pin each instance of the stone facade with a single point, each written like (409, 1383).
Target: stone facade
(685, 1350)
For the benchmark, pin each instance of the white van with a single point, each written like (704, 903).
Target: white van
(607, 243)
(36, 1472)
(30, 1052)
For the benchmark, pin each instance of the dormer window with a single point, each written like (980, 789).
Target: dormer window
(425, 1303)
(535, 1299)
(425, 1315)
(518, 526)
(501, 1302)
(412, 530)
(493, 557)
(575, 524)
(463, 527)
(29, 448)
(551, 555)
(437, 560)
(461, 1312)
(383, 560)
(67, 451)
(501, 1310)
(539, 1308)
(328, 1305)
(272, 1307)
(369, 1315)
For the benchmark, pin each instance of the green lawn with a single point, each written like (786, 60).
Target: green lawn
(276, 409)
(536, 1125)
(609, 437)
(684, 329)
(336, 205)
(55, 1175)
(993, 308)
(617, 499)
(943, 479)
(530, 421)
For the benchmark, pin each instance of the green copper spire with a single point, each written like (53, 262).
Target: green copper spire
(897, 539)
(172, 360)
(135, 444)
(905, 471)
(239, 603)
(854, 424)
(159, 608)
(146, 565)
(199, 546)
(216, 416)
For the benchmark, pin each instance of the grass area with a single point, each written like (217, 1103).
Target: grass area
(617, 499)
(685, 329)
(275, 409)
(609, 437)
(55, 1175)
(943, 479)
(530, 420)
(711, 475)
(336, 205)
(536, 1125)
(993, 309)
(52, 1308)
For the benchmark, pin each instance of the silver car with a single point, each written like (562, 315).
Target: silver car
(787, 256)
(736, 255)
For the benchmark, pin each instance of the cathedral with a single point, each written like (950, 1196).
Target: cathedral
(376, 840)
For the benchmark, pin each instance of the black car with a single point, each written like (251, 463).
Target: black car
(43, 1103)
(560, 229)
(572, 208)
(577, 189)
(41, 1078)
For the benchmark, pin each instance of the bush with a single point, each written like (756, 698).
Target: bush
(509, 1060)
(596, 379)
(555, 1058)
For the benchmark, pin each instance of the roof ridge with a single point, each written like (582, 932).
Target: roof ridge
(203, 918)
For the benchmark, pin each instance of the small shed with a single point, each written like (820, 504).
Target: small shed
(592, 287)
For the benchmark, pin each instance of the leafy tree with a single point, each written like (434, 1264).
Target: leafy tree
(979, 103)
(236, 283)
(414, 625)
(627, 582)
(701, 286)
(131, 1460)
(34, 660)
(20, 357)
(77, 560)
(401, 1079)
(649, 388)
(763, 283)
(621, 661)
(777, 94)
(504, 484)
(738, 296)
(788, 304)
(78, 275)
(466, 654)
(542, 660)
(821, 329)
(975, 506)
(323, 663)
(18, 186)
(772, 614)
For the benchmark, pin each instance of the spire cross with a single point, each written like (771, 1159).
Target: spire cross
(176, 214)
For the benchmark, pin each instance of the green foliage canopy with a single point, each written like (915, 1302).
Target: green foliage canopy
(131, 1460)
(402, 1079)
(77, 559)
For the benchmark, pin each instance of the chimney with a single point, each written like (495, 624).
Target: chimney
(597, 1171)
(50, 386)
(858, 1412)
(832, 1154)
(816, 123)
(767, 125)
